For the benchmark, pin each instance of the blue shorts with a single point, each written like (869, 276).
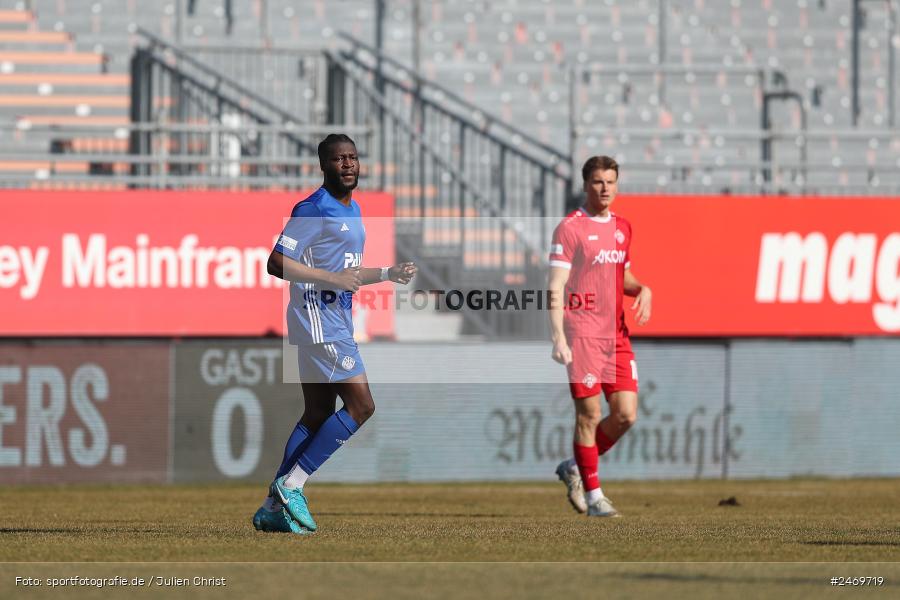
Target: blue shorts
(329, 362)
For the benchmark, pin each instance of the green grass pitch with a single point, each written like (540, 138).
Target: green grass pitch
(380, 530)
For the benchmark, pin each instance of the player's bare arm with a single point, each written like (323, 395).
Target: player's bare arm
(643, 297)
(402, 273)
(556, 285)
(288, 269)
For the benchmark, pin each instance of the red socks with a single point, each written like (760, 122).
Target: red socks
(603, 442)
(587, 459)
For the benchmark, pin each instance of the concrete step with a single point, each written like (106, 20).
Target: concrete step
(23, 121)
(63, 79)
(75, 102)
(16, 20)
(20, 61)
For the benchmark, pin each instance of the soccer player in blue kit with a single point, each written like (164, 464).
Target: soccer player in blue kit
(320, 252)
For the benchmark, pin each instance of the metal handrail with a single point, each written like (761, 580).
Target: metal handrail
(166, 181)
(291, 77)
(754, 134)
(753, 166)
(62, 157)
(472, 124)
(491, 120)
(226, 92)
(484, 204)
(221, 96)
(213, 90)
(175, 181)
(532, 254)
(153, 159)
(182, 55)
(174, 127)
(309, 128)
(314, 50)
(666, 69)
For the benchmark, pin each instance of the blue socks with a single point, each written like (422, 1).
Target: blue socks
(295, 446)
(332, 435)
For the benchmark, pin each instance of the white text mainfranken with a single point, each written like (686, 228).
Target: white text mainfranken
(91, 263)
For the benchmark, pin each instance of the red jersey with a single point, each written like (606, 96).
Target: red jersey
(596, 250)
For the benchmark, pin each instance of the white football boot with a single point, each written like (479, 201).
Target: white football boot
(567, 471)
(602, 508)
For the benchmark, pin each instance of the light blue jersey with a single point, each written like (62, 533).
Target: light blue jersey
(324, 234)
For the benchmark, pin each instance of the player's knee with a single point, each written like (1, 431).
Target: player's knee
(362, 411)
(369, 410)
(626, 419)
(589, 418)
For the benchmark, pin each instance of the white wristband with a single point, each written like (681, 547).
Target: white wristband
(384, 273)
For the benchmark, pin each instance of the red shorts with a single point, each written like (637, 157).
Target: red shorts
(601, 364)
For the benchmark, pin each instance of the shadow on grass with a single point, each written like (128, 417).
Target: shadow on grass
(414, 514)
(850, 543)
(709, 578)
(77, 530)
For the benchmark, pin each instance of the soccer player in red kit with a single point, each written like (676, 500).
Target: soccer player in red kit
(591, 270)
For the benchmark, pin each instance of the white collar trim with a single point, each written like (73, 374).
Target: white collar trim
(597, 219)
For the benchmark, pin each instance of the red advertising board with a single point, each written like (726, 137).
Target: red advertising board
(77, 263)
(135, 263)
(767, 266)
(84, 412)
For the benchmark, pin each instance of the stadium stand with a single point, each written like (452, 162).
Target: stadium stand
(694, 127)
(50, 85)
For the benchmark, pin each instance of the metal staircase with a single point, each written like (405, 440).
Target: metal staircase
(477, 199)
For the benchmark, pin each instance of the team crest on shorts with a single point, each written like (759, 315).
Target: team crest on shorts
(348, 362)
(620, 237)
(589, 380)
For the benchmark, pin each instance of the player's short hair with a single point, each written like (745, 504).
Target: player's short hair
(329, 141)
(604, 163)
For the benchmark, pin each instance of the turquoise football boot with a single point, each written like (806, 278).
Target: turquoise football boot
(258, 518)
(277, 522)
(294, 502)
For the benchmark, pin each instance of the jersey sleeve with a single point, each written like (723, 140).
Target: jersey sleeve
(562, 248)
(302, 229)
